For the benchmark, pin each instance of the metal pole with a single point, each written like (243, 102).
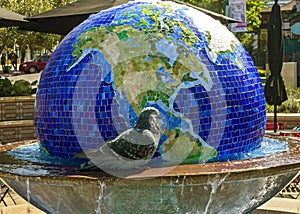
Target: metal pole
(276, 93)
(275, 118)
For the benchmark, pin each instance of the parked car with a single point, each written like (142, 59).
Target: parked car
(295, 132)
(35, 65)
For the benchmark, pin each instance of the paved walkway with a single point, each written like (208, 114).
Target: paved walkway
(29, 77)
(279, 205)
(17, 205)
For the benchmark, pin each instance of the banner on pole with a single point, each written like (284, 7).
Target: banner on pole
(298, 5)
(237, 10)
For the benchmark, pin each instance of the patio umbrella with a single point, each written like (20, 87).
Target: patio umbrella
(274, 89)
(9, 18)
(62, 20)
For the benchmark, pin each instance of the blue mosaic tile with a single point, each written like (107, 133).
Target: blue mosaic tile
(150, 53)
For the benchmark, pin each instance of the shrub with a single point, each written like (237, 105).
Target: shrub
(289, 106)
(19, 88)
(5, 87)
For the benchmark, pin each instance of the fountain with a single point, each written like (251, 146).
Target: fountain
(208, 150)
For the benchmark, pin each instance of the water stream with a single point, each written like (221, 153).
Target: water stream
(32, 160)
(102, 186)
(215, 183)
(28, 193)
(171, 195)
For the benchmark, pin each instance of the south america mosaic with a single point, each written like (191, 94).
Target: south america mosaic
(167, 58)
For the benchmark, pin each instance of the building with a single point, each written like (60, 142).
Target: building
(291, 33)
(289, 16)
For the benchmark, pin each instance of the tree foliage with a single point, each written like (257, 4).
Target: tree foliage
(253, 8)
(213, 5)
(28, 39)
(38, 41)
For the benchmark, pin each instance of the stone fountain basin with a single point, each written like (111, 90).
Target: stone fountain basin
(219, 187)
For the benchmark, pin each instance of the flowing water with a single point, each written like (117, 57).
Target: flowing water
(100, 197)
(215, 184)
(172, 194)
(267, 147)
(33, 160)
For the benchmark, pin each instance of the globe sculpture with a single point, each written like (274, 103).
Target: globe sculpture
(156, 54)
(174, 73)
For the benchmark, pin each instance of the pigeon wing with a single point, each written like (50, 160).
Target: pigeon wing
(134, 144)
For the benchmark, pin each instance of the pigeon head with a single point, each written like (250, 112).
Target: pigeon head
(148, 119)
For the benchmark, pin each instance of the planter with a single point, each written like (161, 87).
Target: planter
(11, 131)
(16, 118)
(17, 108)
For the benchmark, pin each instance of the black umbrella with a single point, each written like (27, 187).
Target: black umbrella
(274, 89)
(9, 18)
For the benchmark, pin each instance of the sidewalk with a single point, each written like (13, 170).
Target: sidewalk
(278, 205)
(29, 77)
(17, 205)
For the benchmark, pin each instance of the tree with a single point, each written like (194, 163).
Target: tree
(38, 41)
(253, 23)
(253, 9)
(35, 41)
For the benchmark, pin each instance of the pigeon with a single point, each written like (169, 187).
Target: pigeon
(132, 149)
